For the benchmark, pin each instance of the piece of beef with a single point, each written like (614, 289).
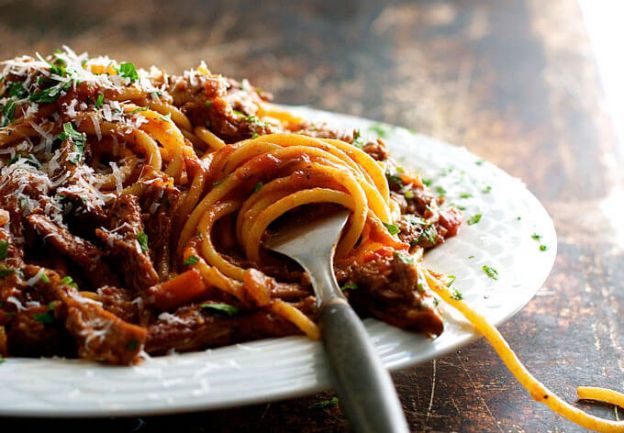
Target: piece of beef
(196, 328)
(99, 334)
(387, 289)
(82, 252)
(128, 243)
(158, 201)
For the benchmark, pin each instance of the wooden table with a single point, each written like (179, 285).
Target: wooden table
(514, 81)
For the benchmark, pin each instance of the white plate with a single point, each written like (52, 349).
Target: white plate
(286, 367)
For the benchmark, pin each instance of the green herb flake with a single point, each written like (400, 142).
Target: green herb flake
(349, 286)
(5, 271)
(77, 138)
(392, 228)
(440, 191)
(46, 318)
(4, 249)
(16, 90)
(457, 295)
(409, 194)
(543, 247)
(128, 70)
(191, 260)
(99, 102)
(258, 187)
(227, 309)
(474, 219)
(69, 281)
(471, 257)
(405, 258)
(358, 141)
(490, 272)
(50, 94)
(382, 130)
(487, 189)
(450, 280)
(465, 195)
(325, 404)
(536, 236)
(479, 162)
(45, 279)
(239, 113)
(394, 179)
(427, 182)
(142, 240)
(8, 112)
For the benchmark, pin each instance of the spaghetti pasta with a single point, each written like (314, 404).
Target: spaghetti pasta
(134, 205)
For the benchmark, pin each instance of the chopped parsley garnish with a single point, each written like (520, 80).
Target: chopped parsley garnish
(465, 195)
(543, 247)
(8, 112)
(409, 194)
(405, 258)
(239, 113)
(474, 219)
(138, 110)
(479, 162)
(394, 179)
(69, 281)
(50, 94)
(349, 286)
(392, 228)
(77, 138)
(191, 260)
(358, 141)
(128, 70)
(58, 68)
(382, 130)
(457, 295)
(132, 345)
(16, 90)
(440, 191)
(46, 318)
(490, 272)
(536, 236)
(487, 189)
(471, 257)
(142, 240)
(99, 101)
(4, 249)
(5, 271)
(258, 187)
(44, 278)
(518, 218)
(451, 280)
(427, 182)
(228, 309)
(429, 234)
(325, 404)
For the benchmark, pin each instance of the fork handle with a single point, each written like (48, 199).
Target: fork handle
(366, 391)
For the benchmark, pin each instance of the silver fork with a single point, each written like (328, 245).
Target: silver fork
(364, 386)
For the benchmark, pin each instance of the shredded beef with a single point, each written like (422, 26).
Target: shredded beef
(80, 251)
(194, 328)
(122, 240)
(387, 289)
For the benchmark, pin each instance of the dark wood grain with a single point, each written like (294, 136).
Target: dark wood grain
(514, 81)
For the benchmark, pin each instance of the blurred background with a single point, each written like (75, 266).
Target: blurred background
(533, 86)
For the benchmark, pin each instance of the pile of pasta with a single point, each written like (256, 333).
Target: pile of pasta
(156, 193)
